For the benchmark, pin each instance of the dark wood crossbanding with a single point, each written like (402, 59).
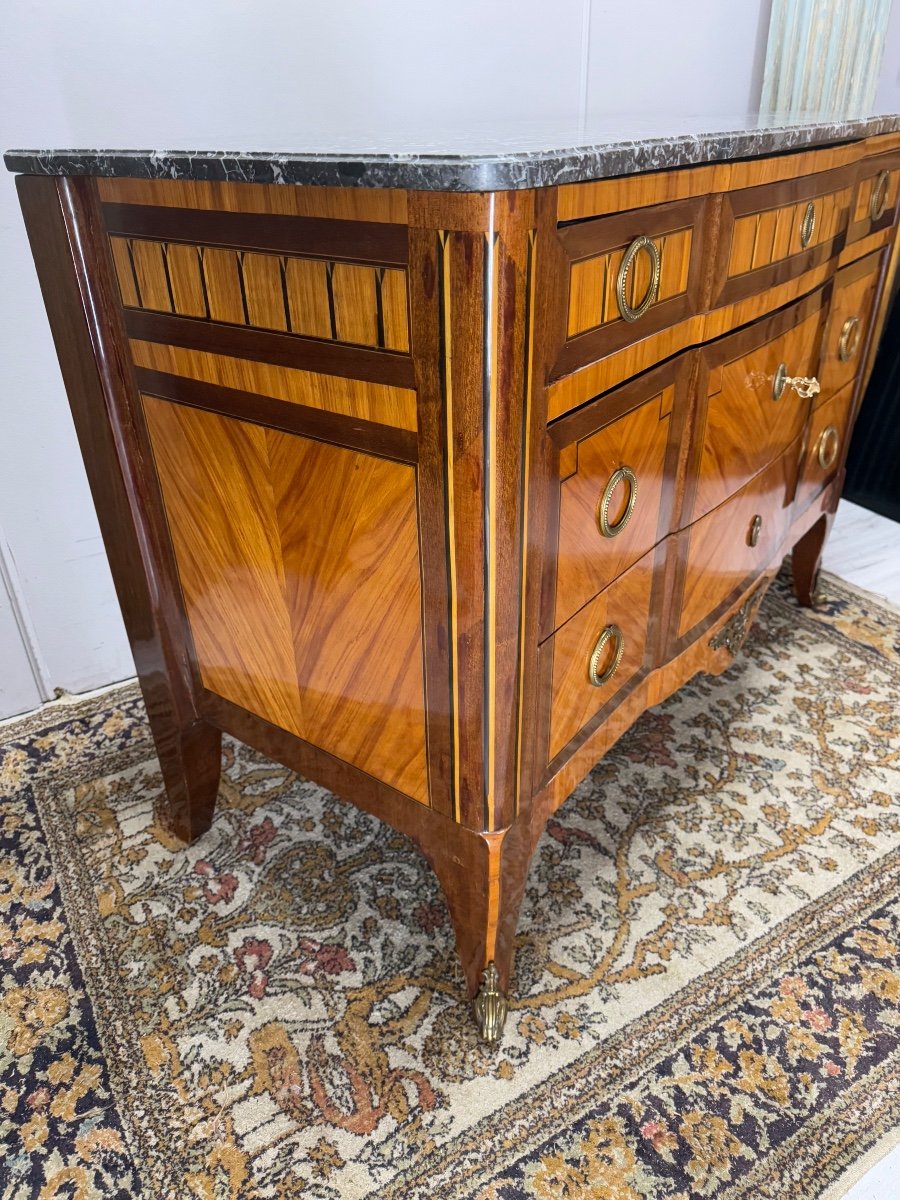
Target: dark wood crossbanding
(431, 494)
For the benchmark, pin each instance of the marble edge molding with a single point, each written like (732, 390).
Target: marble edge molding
(456, 172)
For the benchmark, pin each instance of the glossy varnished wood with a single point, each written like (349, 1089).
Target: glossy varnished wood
(77, 280)
(341, 204)
(718, 553)
(316, 546)
(574, 700)
(640, 428)
(741, 426)
(353, 519)
(852, 301)
(379, 403)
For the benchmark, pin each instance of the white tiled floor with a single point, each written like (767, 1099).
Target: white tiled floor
(864, 549)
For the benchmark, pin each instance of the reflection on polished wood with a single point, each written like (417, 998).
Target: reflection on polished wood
(376, 402)
(574, 699)
(299, 565)
(407, 504)
(728, 547)
(745, 427)
(587, 561)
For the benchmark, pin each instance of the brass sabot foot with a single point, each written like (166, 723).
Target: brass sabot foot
(491, 1006)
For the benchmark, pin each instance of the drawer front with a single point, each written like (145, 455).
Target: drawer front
(876, 195)
(748, 421)
(629, 275)
(826, 445)
(615, 498)
(772, 233)
(597, 652)
(728, 547)
(846, 334)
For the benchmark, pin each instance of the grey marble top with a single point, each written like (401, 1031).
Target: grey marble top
(536, 155)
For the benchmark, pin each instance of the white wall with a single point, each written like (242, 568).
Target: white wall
(887, 98)
(256, 75)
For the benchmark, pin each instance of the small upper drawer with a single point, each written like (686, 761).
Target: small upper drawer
(772, 233)
(846, 333)
(727, 548)
(629, 275)
(876, 195)
(826, 445)
(754, 402)
(596, 653)
(617, 470)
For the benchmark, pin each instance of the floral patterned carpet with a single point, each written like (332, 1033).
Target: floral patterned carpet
(706, 996)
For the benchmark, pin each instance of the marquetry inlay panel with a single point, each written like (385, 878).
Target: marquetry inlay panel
(592, 281)
(760, 239)
(887, 194)
(299, 565)
(376, 402)
(352, 303)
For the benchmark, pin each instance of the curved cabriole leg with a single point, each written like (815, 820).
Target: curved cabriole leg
(483, 879)
(806, 560)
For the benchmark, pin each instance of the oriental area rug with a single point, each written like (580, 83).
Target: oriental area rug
(706, 993)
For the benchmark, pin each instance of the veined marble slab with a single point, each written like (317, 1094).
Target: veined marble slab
(535, 155)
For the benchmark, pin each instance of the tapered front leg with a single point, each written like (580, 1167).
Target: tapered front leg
(483, 878)
(806, 559)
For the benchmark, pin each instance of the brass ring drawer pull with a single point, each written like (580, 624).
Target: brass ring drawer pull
(803, 385)
(614, 634)
(879, 201)
(754, 531)
(849, 343)
(827, 447)
(620, 475)
(642, 243)
(808, 224)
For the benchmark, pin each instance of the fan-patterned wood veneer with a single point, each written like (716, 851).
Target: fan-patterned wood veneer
(427, 496)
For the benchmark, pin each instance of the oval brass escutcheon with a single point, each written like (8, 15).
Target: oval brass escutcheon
(620, 475)
(640, 245)
(808, 224)
(849, 343)
(827, 447)
(754, 531)
(878, 203)
(612, 633)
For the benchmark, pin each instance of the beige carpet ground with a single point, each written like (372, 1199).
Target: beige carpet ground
(706, 1000)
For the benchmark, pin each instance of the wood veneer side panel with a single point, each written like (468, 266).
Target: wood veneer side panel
(355, 204)
(74, 266)
(268, 346)
(338, 428)
(347, 535)
(352, 398)
(215, 479)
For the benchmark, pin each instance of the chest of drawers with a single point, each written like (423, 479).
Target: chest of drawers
(430, 492)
